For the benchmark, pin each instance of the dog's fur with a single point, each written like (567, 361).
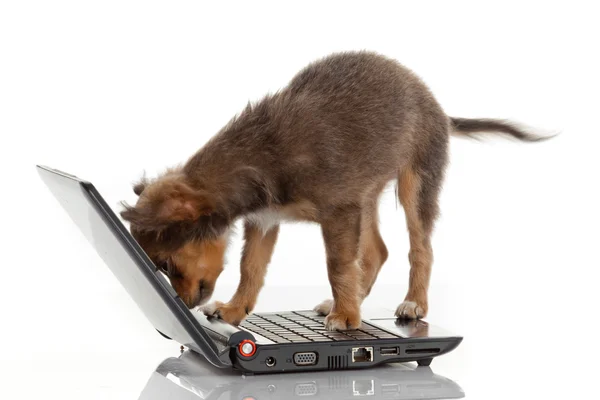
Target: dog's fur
(322, 150)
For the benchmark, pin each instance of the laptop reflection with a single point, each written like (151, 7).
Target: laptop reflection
(190, 377)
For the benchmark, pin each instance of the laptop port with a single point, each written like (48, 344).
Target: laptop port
(305, 358)
(422, 351)
(390, 388)
(306, 389)
(270, 362)
(363, 388)
(389, 351)
(362, 354)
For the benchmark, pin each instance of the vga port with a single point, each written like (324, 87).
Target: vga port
(306, 389)
(305, 358)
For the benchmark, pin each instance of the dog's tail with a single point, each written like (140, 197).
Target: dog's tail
(474, 127)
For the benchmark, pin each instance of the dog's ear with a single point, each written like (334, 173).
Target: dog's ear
(139, 187)
(167, 202)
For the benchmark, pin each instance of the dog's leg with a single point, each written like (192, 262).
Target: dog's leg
(418, 192)
(373, 254)
(341, 233)
(256, 255)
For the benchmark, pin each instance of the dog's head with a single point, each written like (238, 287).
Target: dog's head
(179, 229)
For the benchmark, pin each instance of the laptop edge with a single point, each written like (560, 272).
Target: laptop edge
(219, 342)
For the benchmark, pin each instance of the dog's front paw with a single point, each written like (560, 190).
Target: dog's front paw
(324, 308)
(342, 321)
(231, 314)
(411, 310)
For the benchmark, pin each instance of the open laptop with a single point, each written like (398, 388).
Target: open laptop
(265, 342)
(188, 378)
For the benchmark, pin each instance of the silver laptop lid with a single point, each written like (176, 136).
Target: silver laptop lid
(129, 263)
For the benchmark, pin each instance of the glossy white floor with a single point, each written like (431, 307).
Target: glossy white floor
(545, 349)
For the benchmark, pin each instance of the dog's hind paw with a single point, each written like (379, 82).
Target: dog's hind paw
(410, 310)
(324, 308)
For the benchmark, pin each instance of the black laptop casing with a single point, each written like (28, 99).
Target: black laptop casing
(216, 340)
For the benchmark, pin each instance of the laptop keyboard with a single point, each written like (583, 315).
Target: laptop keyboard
(306, 326)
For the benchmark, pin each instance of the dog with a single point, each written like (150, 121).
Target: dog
(320, 150)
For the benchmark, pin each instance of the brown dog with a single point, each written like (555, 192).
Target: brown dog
(321, 150)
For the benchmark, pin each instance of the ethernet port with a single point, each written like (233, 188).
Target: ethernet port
(362, 354)
(363, 387)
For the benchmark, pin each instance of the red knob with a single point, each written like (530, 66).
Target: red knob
(247, 348)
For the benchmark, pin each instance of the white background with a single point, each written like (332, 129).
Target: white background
(106, 90)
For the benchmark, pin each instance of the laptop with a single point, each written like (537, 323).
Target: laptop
(187, 377)
(287, 341)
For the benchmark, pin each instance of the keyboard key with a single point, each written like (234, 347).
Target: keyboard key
(364, 337)
(341, 338)
(386, 336)
(354, 332)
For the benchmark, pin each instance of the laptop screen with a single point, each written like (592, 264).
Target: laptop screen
(148, 288)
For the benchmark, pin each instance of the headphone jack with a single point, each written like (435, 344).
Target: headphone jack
(270, 362)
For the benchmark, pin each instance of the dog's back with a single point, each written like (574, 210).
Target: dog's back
(345, 125)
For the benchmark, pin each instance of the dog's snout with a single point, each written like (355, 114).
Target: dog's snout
(201, 289)
(204, 291)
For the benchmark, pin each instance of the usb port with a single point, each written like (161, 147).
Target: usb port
(389, 351)
(390, 388)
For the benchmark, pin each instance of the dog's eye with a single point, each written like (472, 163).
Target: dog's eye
(164, 267)
(169, 269)
(174, 273)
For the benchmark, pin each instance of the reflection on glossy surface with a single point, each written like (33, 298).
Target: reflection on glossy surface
(191, 377)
